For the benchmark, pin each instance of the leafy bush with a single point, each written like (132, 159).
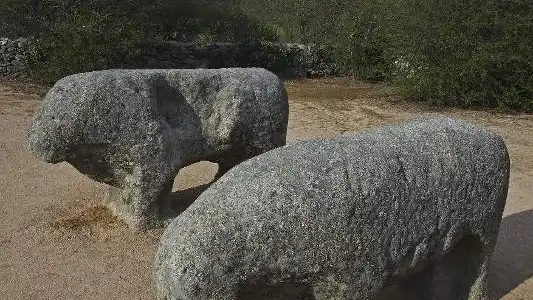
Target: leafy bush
(270, 56)
(78, 35)
(366, 47)
(447, 52)
(465, 53)
(85, 41)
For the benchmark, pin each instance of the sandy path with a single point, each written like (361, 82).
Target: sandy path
(56, 243)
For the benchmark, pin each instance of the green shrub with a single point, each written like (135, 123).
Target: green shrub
(365, 42)
(466, 53)
(85, 41)
(270, 56)
(76, 36)
(447, 52)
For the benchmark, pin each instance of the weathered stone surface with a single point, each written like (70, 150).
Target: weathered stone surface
(418, 203)
(13, 56)
(134, 129)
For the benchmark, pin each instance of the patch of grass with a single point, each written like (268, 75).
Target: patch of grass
(93, 217)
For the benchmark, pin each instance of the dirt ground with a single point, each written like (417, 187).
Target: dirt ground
(57, 242)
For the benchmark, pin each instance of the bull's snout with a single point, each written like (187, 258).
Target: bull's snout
(43, 142)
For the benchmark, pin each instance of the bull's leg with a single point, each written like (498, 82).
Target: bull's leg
(280, 291)
(224, 166)
(363, 293)
(350, 289)
(479, 289)
(420, 285)
(228, 161)
(233, 158)
(462, 274)
(141, 202)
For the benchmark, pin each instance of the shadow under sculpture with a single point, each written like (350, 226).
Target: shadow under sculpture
(512, 262)
(135, 129)
(417, 204)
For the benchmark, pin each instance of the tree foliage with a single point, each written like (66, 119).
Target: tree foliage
(184, 20)
(83, 35)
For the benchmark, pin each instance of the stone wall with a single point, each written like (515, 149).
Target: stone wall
(13, 56)
(287, 60)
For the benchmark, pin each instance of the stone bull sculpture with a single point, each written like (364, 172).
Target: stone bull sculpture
(135, 129)
(418, 204)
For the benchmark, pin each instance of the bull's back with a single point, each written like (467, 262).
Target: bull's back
(209, 110)
(237, 108)
(389, 189)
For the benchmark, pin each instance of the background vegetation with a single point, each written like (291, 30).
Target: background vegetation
(446, 52)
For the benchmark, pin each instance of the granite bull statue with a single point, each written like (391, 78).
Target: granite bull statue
(135, 129)
(418, 204)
